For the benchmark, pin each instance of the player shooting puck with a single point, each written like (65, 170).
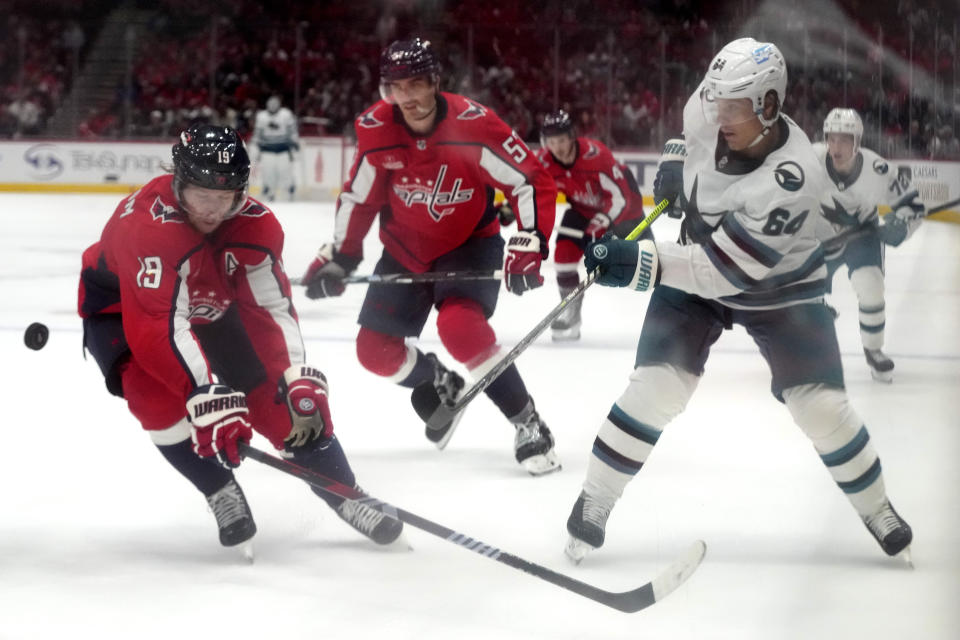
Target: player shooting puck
(36, 336)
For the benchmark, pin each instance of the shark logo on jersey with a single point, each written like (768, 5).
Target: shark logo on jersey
(838, 214)
(432, 196)
(789, 175)
(880, 166)
(367, 121)
(473, 112)
(163, 212)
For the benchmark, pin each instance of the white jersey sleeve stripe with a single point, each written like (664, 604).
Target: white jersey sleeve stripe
(502, 172)
(268, 293)
(357, 193)
(183, 341)
(617, 200)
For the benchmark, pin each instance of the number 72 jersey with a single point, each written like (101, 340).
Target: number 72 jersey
(435, 191)
(749, 232)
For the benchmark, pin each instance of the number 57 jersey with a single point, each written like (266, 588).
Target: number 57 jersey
(435, 191)
(749, 233)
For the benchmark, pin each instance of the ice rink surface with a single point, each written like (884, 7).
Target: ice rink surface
(100, 537)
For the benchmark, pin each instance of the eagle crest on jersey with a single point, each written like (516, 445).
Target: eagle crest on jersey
(432, 196)
(368, 121)
(164, 212)
(473, 112)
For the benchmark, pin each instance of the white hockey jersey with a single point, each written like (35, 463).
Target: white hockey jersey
(852, 200)
(276, 132)
(749, 233)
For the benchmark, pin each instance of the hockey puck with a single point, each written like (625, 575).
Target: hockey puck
(35, 337)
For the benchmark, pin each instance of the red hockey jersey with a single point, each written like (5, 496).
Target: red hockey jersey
(595, 182)
(433, 192)
(165, 277)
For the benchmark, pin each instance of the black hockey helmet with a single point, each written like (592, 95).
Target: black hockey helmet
(212, 157)
(556, 123)
(408, 59)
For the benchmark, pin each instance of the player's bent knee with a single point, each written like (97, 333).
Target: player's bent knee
(658, 393)
(823, 413)
(868, 283)
(463, 329)
(382, 354)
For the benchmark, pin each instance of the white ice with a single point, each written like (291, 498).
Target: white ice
(100, 537)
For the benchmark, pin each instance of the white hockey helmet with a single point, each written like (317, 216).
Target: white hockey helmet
(844, 121)
(746, 68)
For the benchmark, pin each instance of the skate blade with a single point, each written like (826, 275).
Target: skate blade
(542, 464)
(885, 377)
(246, 551)
(565, 335)
(445, 438)
(906, 557)
(576, 550)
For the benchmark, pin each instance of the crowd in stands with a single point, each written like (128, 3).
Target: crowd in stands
(624, 69)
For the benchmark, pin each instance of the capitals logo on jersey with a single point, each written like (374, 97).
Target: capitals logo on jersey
(432, 195)
(368, 121)
(164, 212)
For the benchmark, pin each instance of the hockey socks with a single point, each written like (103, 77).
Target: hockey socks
(205, 474)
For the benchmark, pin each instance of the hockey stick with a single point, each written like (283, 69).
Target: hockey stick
(444, 414)
(844, 237)
(628, 601)
(412, 278)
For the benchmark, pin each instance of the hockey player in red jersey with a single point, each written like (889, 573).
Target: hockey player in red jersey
(603, 196)
(428, 163)
(187, 310)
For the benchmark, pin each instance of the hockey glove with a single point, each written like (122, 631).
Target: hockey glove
(669, 181)
(597, 226)
(624, 263)
(324, 276)
(304, 389)
(218, 422)
(521, 269)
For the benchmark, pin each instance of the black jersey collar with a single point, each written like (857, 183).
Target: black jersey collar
(843, 182)
(736, 163)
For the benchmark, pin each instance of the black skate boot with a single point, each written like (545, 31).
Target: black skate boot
(566, 326)
(533, 443)
(586, 526)
(232, 512)
(881, 367)
(890, 530)
(447, 387)
(368, 521)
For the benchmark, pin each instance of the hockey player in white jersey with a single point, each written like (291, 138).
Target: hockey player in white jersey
(275, 136)
(748, 255)
(857, 181)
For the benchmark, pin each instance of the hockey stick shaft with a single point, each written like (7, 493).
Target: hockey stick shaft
(412, 278)
(840, 239)
(628, 602)
(443, 414)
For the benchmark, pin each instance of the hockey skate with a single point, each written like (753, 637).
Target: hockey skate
(232, 512)
(533, 443)
(881, 367)
(447, 387)
(566, 326)
(368, 521)
(891, 531)
(586, 526)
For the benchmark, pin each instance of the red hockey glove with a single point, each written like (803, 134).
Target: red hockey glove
(304, 389)
(521, 269)
(597, 226)
(217, 416)
(324, 276)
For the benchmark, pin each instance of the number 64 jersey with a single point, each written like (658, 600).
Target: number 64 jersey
(748, 237)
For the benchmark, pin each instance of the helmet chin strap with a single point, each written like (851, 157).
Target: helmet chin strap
(767, 127)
